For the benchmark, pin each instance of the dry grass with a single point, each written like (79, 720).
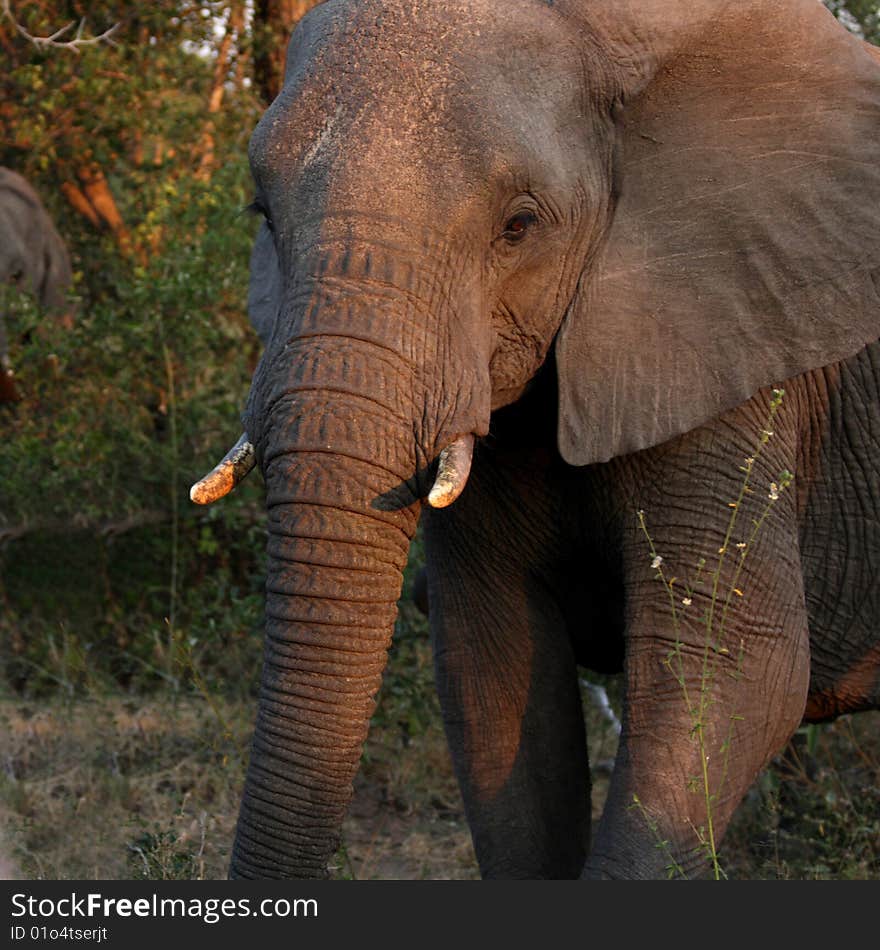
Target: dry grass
(116, 788)
(113, 789)
(110, 788)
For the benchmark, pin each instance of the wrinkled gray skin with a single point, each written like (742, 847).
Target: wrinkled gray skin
(33, 258)
(597, 233)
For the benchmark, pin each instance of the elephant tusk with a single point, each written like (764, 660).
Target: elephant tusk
(453, 471)
(236, 464)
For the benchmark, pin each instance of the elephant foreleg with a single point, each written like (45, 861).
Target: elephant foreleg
(716, 677)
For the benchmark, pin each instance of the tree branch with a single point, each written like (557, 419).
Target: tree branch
(55, 41)
(76, 524)
(107, 528)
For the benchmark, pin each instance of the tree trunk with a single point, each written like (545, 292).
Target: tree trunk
(225, 55)
(274, 21)
(93, 199)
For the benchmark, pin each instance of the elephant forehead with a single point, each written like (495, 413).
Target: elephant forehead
(353, 31)
(416, 86)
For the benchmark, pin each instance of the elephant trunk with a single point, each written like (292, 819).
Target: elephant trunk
(347, 418)
(330, 612)
(343, 505)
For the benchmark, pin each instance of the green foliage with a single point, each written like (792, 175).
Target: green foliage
(135, 109)
(104, 562)
(120, 415)
(861, 16)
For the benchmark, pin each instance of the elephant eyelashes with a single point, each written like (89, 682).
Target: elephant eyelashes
(517, 227)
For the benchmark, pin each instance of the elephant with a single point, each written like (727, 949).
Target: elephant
(569, 283)
(33, 259)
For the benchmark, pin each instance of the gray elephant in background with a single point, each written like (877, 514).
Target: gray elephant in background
(33, 259)
(535, 272)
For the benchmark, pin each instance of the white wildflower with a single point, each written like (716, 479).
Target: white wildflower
(656, 562)
(686, 601)
(773, 494)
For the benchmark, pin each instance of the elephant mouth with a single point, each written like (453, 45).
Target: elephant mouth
(453, 469)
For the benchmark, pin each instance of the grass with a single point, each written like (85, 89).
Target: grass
(814, 814)
(115, 787)
(112, 787)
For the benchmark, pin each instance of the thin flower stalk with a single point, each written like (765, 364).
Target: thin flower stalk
(713, 645)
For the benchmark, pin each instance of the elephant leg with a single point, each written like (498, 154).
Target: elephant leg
(506, 677)
(714, 690)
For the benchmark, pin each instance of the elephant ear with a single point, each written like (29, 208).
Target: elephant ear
(744, 247)
(264, 291)
(32, 243)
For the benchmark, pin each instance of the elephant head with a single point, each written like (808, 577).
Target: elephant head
(33, 259)
(676, 196)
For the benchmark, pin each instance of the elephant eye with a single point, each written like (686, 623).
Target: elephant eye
(517, 227)
(257, 207)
